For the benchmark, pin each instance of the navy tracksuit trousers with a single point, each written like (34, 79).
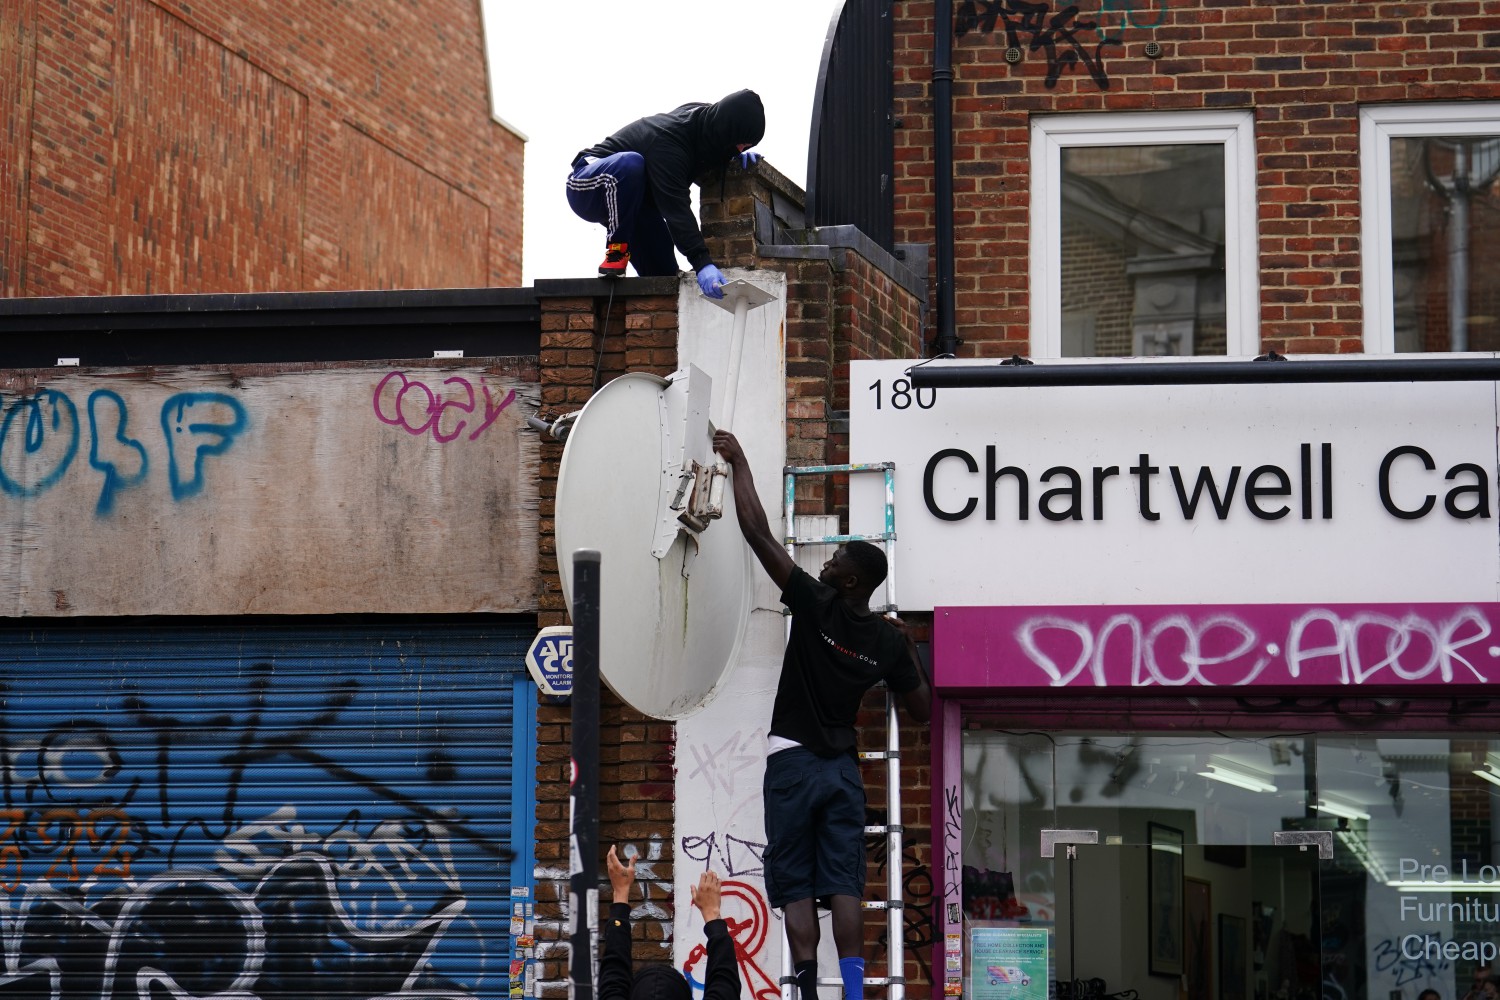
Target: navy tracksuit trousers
(613, 191)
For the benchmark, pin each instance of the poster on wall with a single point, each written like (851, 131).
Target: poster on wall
(1008, 963)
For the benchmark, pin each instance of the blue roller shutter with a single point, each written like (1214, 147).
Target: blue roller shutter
(273, 813)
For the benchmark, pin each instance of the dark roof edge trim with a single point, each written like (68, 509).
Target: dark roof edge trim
(411, 298)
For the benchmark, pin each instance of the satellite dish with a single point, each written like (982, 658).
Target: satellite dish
(674, 600)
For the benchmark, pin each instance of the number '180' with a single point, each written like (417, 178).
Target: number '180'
(902, 395)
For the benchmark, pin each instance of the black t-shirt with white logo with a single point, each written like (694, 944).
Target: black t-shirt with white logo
(832, 658)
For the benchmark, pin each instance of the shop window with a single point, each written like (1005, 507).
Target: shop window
(1192, 879)
(1430, 209)
(1143, 235)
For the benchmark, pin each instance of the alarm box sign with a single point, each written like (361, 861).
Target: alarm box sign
(1204, 494)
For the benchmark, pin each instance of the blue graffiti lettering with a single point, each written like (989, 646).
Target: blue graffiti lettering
(107, 409)
(49, 441)
(209, 437)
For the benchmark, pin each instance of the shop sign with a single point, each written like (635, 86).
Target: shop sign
(1232, 494)
(1217, 646)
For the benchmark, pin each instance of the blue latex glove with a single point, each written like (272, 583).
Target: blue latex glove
(711, 281)
(748, 159)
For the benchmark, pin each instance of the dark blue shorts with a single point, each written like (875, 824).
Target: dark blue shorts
(815, 826)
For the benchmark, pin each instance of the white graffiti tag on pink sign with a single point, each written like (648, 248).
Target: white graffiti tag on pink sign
(1218, 646)
(417, 409)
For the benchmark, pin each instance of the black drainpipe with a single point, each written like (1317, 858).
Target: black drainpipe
(942, 100)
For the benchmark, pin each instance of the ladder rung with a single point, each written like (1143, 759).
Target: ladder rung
(881, 536)
(819, 470)
(882, 904)
(869, 981)
(871, 831)
(880, 755)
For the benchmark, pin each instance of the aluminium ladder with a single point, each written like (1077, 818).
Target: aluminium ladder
(893, 904)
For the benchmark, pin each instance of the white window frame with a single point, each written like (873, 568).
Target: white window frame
(1378, 125)
(1234, 130)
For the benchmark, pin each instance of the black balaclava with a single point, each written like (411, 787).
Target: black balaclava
(738, 118)
(659, 982)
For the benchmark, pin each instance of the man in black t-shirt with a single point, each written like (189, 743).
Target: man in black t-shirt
(814, 796)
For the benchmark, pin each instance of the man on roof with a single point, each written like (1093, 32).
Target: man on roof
(636, 184)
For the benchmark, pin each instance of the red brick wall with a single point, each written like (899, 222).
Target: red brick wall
(636, 754)
(268, 146)
(1304, 68)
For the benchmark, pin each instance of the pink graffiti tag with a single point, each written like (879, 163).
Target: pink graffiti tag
(749, 937)
(429, 405)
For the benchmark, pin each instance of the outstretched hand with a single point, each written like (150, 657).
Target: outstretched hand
(706, 896)
(711, 281)
(728, 445)
(621, 877)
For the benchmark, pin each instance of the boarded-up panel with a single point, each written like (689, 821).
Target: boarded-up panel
(258, 813)
(405, 227)
(385, 488)
(207, 165)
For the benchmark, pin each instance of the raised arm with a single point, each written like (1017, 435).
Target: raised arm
(615, 967)
(721, 980)
(751, 515)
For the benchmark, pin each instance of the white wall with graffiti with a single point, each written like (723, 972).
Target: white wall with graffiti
(721, 750)
(380, 487)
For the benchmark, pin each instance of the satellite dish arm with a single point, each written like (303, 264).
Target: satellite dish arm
(750, 514)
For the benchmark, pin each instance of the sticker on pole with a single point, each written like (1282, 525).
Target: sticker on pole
(550, 660)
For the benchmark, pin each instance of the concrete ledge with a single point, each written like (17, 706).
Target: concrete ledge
(819, 244)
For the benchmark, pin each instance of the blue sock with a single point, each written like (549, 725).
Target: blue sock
(852, 971)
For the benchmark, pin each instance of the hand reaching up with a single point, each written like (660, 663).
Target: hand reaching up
(620, 876)
(706, 896)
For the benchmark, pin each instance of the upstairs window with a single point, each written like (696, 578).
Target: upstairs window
(1430, 209)
(1143, 235)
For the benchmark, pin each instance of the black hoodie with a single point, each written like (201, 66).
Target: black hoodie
(678, 146)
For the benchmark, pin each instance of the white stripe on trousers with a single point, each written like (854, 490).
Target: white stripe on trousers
(611, 198)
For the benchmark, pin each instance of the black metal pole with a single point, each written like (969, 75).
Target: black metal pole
(942, 164)
(583, 800)
(1365, 369)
